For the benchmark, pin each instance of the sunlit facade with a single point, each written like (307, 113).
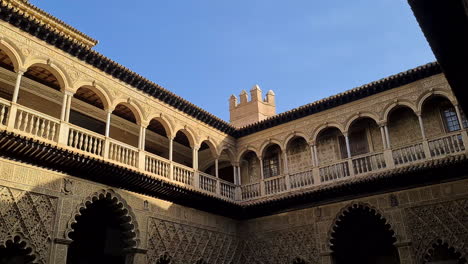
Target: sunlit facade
(100, 165)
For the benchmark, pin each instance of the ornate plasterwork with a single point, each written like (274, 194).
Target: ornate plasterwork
(30, 216)
(188, 244)
(446, 222)
(285, 246)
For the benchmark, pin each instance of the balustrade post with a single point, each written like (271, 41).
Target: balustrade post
(427, 150)
(19, 74)
(64, 131)
(350, 167)
(106, 147)
(12, 116)
(196, 179)
(388, 157)
(316, 175)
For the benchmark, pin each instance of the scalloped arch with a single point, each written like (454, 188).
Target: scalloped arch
(354, 205)
(27, 245)
(441, 241)
(125, 209)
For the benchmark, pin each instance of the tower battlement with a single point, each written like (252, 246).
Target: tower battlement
(247, 112)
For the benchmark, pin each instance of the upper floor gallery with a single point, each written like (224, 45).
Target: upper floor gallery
(53, 97)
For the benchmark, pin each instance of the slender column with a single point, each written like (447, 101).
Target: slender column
(216, 168)
(459, 116)
(234, 173)
(171, 164)
(108, 121)
(142, 138)
(261, 170)
(312, 154)
(195, 158)
(285, 162)
(317, 162)
(239, 176)
(171, 144)
(387, 136)
(348, 148)
(421, 126)
(64, 107)
(17, 86)
(384, 140)
(67, 110)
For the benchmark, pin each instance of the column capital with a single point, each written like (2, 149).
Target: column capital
(68, 91)
(382, 123)
(418, 113)
(144, 125)
(20, 71)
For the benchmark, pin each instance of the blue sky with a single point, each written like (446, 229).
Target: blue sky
(206, 50)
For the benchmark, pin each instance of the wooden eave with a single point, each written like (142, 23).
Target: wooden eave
(40, 154)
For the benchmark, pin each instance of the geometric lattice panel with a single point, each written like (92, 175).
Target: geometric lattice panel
(446, 221)
(295, 245)
(30, 216)
(184, 244)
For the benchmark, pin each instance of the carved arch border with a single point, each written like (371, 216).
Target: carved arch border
(422, 257)
(354, 205)
(115, 197)
(28, 245)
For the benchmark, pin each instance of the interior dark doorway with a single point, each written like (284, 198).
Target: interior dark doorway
(16, 252)
(100, 234)
(362, 236)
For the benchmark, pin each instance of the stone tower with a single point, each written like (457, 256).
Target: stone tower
(247, 112)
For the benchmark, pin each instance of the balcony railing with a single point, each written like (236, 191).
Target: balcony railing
(39, 126)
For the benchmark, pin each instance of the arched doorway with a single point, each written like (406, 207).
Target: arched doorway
(362, 236)
(103, 233)
(16, 251)
(441, 253)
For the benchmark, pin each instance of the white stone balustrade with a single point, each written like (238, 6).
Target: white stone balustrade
(408, 154)
(33, 124)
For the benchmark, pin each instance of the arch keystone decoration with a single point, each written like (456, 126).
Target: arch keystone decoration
(128, 219)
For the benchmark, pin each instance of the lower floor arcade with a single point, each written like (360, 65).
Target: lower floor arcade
(48, 217)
